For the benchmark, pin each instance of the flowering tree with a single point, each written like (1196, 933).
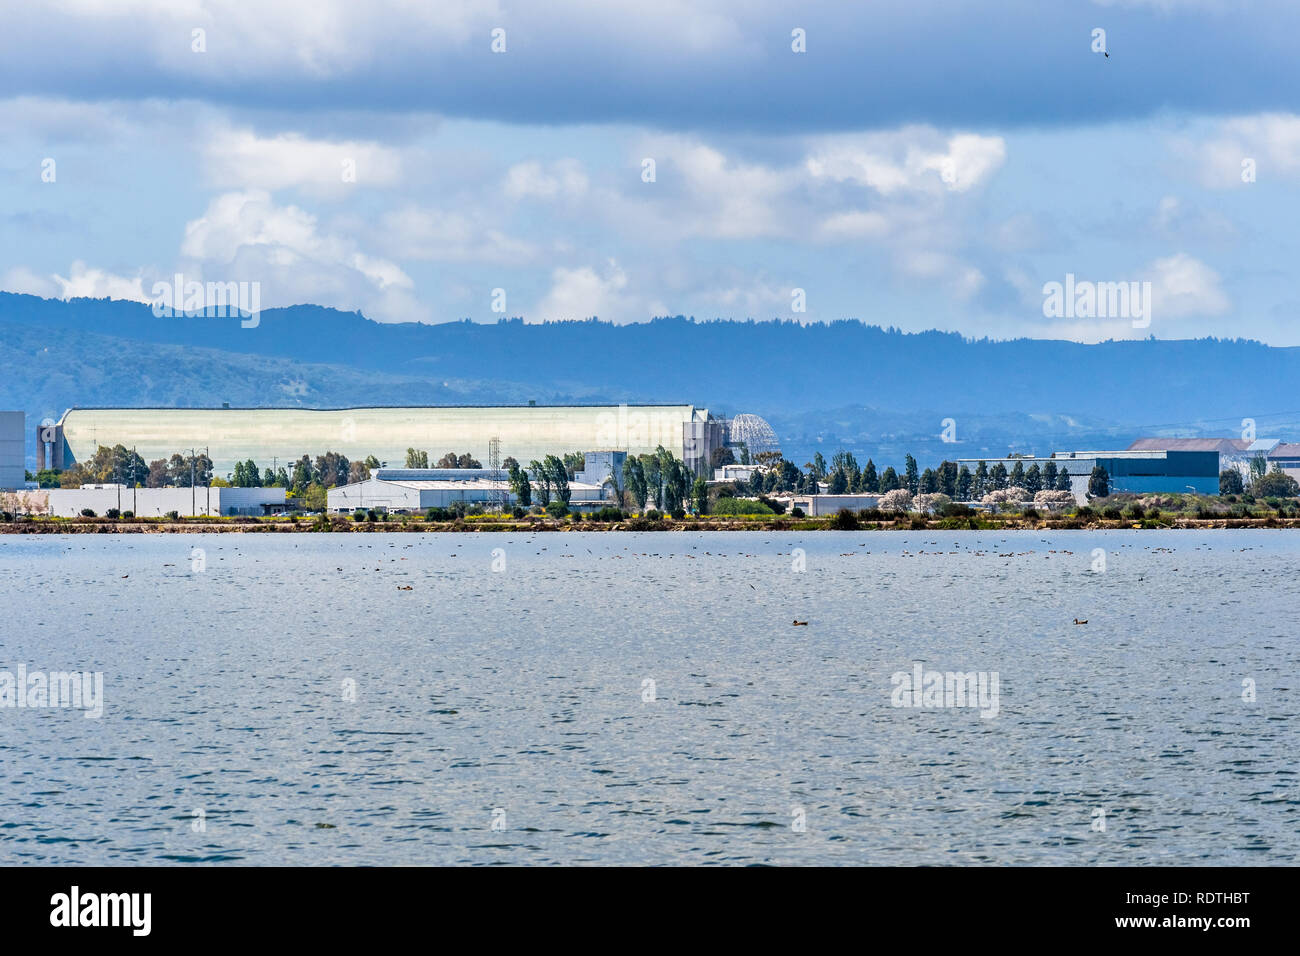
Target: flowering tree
(1054, 499)
(900, 499)
(1002, 496)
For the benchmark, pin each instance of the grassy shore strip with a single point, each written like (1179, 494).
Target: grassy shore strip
(488, 523)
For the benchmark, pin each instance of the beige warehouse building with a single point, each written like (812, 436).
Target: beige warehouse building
(525, 432)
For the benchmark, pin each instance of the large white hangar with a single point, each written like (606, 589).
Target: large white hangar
(524, 432)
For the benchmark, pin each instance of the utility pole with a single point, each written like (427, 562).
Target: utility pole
(193, 505)
(208, 456)
(134, 485)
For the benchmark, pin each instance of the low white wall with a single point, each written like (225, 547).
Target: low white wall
(156, 502)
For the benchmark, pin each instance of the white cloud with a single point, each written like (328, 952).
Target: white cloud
(239, 158)
(563, 178)
(83, 282)
(583, 292)
(23, 280)
(443, 236)
(913, 158)
(1184, 286)
(1270, 140)
(244, 236)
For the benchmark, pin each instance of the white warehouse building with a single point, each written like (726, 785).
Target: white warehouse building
(418, 489)
(157, 502)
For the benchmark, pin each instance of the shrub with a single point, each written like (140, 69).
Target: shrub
(739, 506)
(654, 515)
(777, 507)
(932, 503)
(796, 512)
(6, 516)
(174, 515)
(845, 520)
(557, 509)
(437, 514)
(1112, 512)
(87, 512)
(608, 513)
(358, 515)
(518, 512)
(128, 514)
(112, 513)
(1084, 512)
(1031, 512)
(956, 510)
(1136, 511)
(679, 513)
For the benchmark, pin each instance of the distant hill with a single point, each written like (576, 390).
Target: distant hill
(825, 385)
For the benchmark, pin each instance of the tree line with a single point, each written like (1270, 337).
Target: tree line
(843, 476)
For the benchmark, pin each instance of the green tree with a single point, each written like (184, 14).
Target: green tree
(929, 483)
(303, 476)
(1275, 484)
(700, 496)
(965, 481)
(418, 459)
(540, 472)
(1049, 476)
(1063, 480)
(981, 481)
(574, 462)
(998, 476)
(839, 483)
(634, 481)
(654, 478)
(722, 456)
(559, 477)
(1017, 478)
(676, 485)
(911, 482)
(818, 468)
(1033, 479)
(519, 485)
(870, 482)
(330, 469)
(845, 462)
(1258, 469)
(947, 475)
(889, 480)
(1230, 482)
(1098, 483)
(314, 497)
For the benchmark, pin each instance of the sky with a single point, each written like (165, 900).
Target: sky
(920, 164)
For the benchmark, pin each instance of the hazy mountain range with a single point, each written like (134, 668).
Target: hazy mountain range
(846, 384)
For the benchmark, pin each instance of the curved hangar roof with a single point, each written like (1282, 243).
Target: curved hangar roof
(262, 434)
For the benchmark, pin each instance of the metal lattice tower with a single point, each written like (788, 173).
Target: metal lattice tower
(494, 462)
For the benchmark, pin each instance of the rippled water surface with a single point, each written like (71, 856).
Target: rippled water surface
(519, 695)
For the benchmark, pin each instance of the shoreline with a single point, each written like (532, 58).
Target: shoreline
(487, 525)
